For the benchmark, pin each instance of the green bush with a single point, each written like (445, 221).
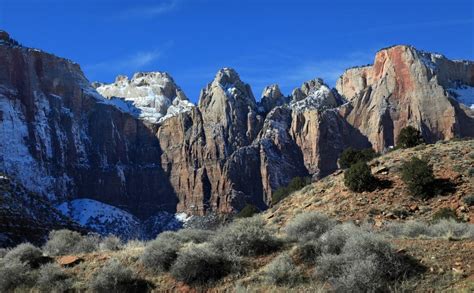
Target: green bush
(246, 237)
(409, 137)
(417, 174)
(351, 156)
(295, 184)
(202, 264)
(445, 214)
(248, 211)
(359, 178)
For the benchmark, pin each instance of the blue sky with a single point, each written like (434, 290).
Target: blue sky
(284, 42)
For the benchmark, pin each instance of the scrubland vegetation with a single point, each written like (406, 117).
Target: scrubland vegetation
(310, 251)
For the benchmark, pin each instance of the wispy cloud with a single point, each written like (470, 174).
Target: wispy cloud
(128, 64)
(152, 10)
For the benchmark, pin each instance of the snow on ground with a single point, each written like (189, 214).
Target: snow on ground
(102, 218)
(464, 94)
(107, 219)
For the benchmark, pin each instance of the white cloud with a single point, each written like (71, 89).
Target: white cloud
(131, 63)
(164, 6)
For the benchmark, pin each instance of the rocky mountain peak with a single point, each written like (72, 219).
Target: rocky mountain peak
(153, 96)
(314, 94)
(271, 97)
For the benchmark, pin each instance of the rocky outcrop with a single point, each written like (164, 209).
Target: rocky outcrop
(61, 139)
(151, 96)
(405, 87)
(271, 98)
(143, 147)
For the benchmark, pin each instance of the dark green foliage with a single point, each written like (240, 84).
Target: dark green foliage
(445, 214)
(469, 200)
(295, 184)
(409, 137)
(351, 156)
(198, 264)
(248, 211)
(418, 176)
(359, 178)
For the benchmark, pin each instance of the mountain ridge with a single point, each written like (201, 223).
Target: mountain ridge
(226, 151)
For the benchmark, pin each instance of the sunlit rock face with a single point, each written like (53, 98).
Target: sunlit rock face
(405, 87)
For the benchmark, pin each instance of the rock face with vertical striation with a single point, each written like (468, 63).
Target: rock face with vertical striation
(405, 87)
(61, 139)
(141, 146)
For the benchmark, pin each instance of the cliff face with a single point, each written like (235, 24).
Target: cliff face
(60, 138)
(408, 87)
(144, 147)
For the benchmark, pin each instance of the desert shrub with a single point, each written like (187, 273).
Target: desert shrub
(160, 253)
(295, 184)
(359, 178)
(409, 137)
(411, 229)
(194, 235)
(26, 253)
(62, 242)
(444, 228)
(366, 263)
(308, 226)
(449, 228)
(282, 271)
(445, 214)
(246, 237)
(51, 278)
(201, 264)
(333, 240)
(15, 274)
(3, 252)
(351, 156)
(469, 200)
(248, 211)
(417, 174)
(308, 251)
(111, 242)
(114, 277)
(470, 172)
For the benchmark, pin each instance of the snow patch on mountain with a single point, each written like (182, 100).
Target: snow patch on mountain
(102, 218)
(151, 96)
(15, 157)
(463, 94)
(319, 98)
(107, 219)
